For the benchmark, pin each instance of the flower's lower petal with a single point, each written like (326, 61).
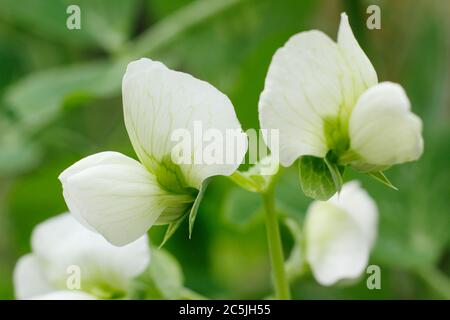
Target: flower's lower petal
(29, 279)
(106, 157)
(117, 197)
(337, 248)
(383, 131)
(66, 295)
(160, 103)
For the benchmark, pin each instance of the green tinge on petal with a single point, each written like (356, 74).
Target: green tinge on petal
(170, 178)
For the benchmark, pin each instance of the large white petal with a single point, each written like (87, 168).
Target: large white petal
(383, 131)
(360, 206)
(29, 278)
(339, 235)
(61, 243)
(362, 70)
(115, 195)
(158, 100)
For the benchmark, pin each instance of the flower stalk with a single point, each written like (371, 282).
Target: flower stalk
(279, 278)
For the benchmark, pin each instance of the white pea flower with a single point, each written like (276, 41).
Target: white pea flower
(324, 97)
(340, 233)
(122, 198)
(71, 262)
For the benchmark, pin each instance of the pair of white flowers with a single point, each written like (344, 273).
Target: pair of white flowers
(68, 261)
(322, 96)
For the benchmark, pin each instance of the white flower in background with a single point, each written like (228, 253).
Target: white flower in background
(122, 198)
(61, 244)
(324, 96)
(340, 233)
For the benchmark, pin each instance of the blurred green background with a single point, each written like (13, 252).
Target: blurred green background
(60, 100)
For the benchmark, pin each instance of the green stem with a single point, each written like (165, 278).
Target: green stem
(275, 247)
(437, 280)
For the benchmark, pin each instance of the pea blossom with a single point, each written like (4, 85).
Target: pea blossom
(339, 234)
(325, 100)
(71, 262)
(121, 198)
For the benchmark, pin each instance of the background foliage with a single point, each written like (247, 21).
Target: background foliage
(60, 101)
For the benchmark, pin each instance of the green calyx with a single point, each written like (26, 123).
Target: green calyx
(336, 135)
(171, 178)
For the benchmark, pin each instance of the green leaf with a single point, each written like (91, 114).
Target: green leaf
(316, 179)
(380, 177)
(194, 209)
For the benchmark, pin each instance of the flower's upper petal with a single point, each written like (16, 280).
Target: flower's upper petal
(29, 279)
(362, 70)
(383, 131)
(360, 206)
(301, 89)
(116, 196)
(66, 295)
(62, 243)
(339, 235)
(157, 101)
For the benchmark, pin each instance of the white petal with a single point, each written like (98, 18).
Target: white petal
(107, 157)
(115, 195)
(61, 243)
(383, 130)
(339, 235)
(360, 206)
(362, 70)
(158, 101)
(307, 84)
(29, 279)
(66, 295)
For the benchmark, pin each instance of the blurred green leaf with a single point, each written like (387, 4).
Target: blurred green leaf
(295, 264)
(241, 207)
(104, 23)
(166, 273)
(17, 155)
(38, 98)
(163, 279)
